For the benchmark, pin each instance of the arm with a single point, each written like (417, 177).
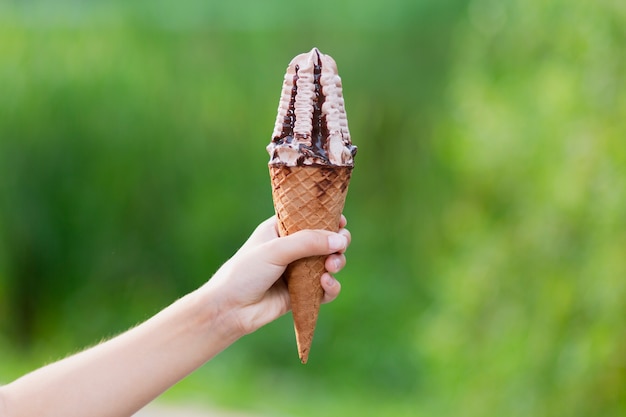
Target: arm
(118, 377)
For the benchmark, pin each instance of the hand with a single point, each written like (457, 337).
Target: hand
(119, 376)
(248, 287)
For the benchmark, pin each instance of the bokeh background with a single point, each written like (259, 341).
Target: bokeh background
(487, 274)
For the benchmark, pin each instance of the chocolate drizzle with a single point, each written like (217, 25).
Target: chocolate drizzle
(319, 133)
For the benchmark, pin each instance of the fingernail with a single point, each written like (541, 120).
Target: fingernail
(330, 281)
(336, 242)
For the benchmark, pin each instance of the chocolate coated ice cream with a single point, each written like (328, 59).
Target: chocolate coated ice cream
(311, 127)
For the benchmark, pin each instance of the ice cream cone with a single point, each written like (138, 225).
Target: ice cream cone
(307, 197)
(311, 161)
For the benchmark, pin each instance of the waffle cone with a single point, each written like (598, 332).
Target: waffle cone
(307, 197)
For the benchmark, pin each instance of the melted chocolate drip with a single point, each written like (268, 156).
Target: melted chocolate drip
(319, 134)
(286, 135)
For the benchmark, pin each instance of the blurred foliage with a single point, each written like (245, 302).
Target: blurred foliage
(487, 272)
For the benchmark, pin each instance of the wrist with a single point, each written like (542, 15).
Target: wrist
(213, 319)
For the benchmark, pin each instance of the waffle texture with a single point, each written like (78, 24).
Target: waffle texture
(307, 197)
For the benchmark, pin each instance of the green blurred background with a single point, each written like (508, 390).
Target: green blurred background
(487, 274)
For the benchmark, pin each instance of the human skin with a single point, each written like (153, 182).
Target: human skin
(119, 376)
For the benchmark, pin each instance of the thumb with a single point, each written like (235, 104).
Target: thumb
(284, 250)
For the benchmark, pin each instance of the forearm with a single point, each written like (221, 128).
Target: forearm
(118, 377)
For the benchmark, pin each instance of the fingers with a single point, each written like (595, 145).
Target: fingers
(343, 222)
(268, 230)
(346, 233)
(302, 244)
(335, 263)
(331, 287)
